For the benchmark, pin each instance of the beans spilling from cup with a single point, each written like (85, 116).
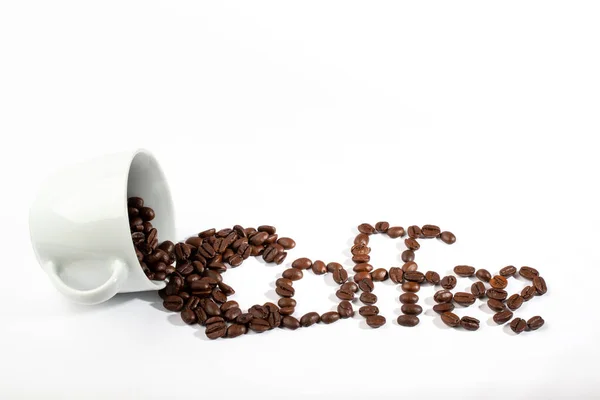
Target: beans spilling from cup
(195, 268)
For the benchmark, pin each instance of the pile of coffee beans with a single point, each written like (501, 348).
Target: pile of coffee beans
(194, 270)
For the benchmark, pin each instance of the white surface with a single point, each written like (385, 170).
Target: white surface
(314, 116)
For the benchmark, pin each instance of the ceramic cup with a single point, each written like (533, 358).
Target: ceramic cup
(80, 228)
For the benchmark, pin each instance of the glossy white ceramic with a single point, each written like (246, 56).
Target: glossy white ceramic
(80, 228)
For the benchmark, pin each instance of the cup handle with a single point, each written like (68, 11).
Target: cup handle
(92, 296)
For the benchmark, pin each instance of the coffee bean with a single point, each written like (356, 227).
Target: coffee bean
(219, 296)
(286, 302)
(345, 309)
(430, 231)
(367, 311)
(215, 328)
(201, 315)
(508, 271)
(396, 274)
(136, 222)
(469, 323)
(362, 267)
(138, 237)
(147, 213)
(395, 232)
(309, 319)
(228, 290)
(135, 202)
(274, 319)
(464, 270)
(182, 252)
(292, 274)
(443, 307)
(344, 294)
(236, 330)
(451, 319)
(483, 275)
(514, 302)
(382, 227)
(290, 322)
(361, 238)
(432, 277)
(258, 324)
(498, 282)
(411, 287)
(518, 325)
(362, 275)
(528, 292)
(414, 276)
(448, 237)
(535, 323)
(414, 231)
(376, 321)
(211, 308)
(448, 282)
(408, 320)
(302, 263)
(350, 287)
(495, 305)
(188, 316)
(232, 313)
(464, 298)
(282, 281)
(340, 276)
(503, 317)
(287, 310)
(478, 289)
(330, 317)
(224, 232)
(367, 229)
(368, 298)
(167, 246)
(286, 242)
(409, 266)
(132, 212)
(195, 241)
(244, 318)
(528, 272)
(409, 298)
(239, 230)
(250, 231)
(269, 254)
(267, 228)
(319, 267)
(285, 291)
(408, 255)
(412, 244)
(496, 294)
(411, 309)
(229, 305)
(207, 233)
(173, 303)
(206, 250)
(258, 239)
(174, 286)
(361, 258)
(539, 284)
(332, 266)
(379, 275)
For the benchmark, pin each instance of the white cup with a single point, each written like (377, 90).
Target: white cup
(79, 225)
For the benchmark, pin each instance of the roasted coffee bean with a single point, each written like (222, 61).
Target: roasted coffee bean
(136, 222)
(408, 256)
(469, 323)
(290, 322)
(367, 311)
(414, 231)
(448, 282)
(528, 292)
(330, 317)
(503, 317)
(199, 266)
(368, 298)
(167, 246)
(132, 212)
(173, 303)
(395, 232)
(147, 213)
(430, 231)
(285, 290)
(379, 275)
(279, 258)
(282, 281)
(340, 276)
(361, 238)
(138, 237)
(229, 305)
(188, 316)
(508, 271)
(528, 272)
(192, 302)
(409, 298)
(224, 232)
(411, 309)
(375, 321)
(211, 308)
(451, 319)
(256, 250)
(412, 287)
(207, 233)
(287, 310)
(292, 274)
(269, 254)
(409, 266)
(359, 249)
(539, 284)
(408, 320)
(274, 319)
(518, 325)
(267, 228)
(496, 305)
(396, 274)
(258, 238)
(225, 288)
(362, 267)
(206, 250)
(366, 285)
(286, 302)
(361, 258)
(195, 241)
(215, 328)
(464, 298)
(239, 230)
(135, 202)
(201, 315)
(367, 229)
(350, 286)
(464, 270)
(414, 276)
(432, 277)
(174, 286)
(319, 267)
(443, 307)
(258, 324)
(245, 250)
(498, 282)
(250, 231)
(159, 276)
(345, 309)
(332, 266)
(184, 295)
(302, 263)
(344, 294)
(213, 277)
(483, 275)
(309, 319)
(478, 289)
(362, 275)
(514, 302)
(535, 323)
(201, 285)
(496, 294)
(448, 237)
(182, 252)
(235, 330)
(412, 244)
(382, 227)
(232, 314)
(244, 318)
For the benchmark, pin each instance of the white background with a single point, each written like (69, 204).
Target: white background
(313, 116)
